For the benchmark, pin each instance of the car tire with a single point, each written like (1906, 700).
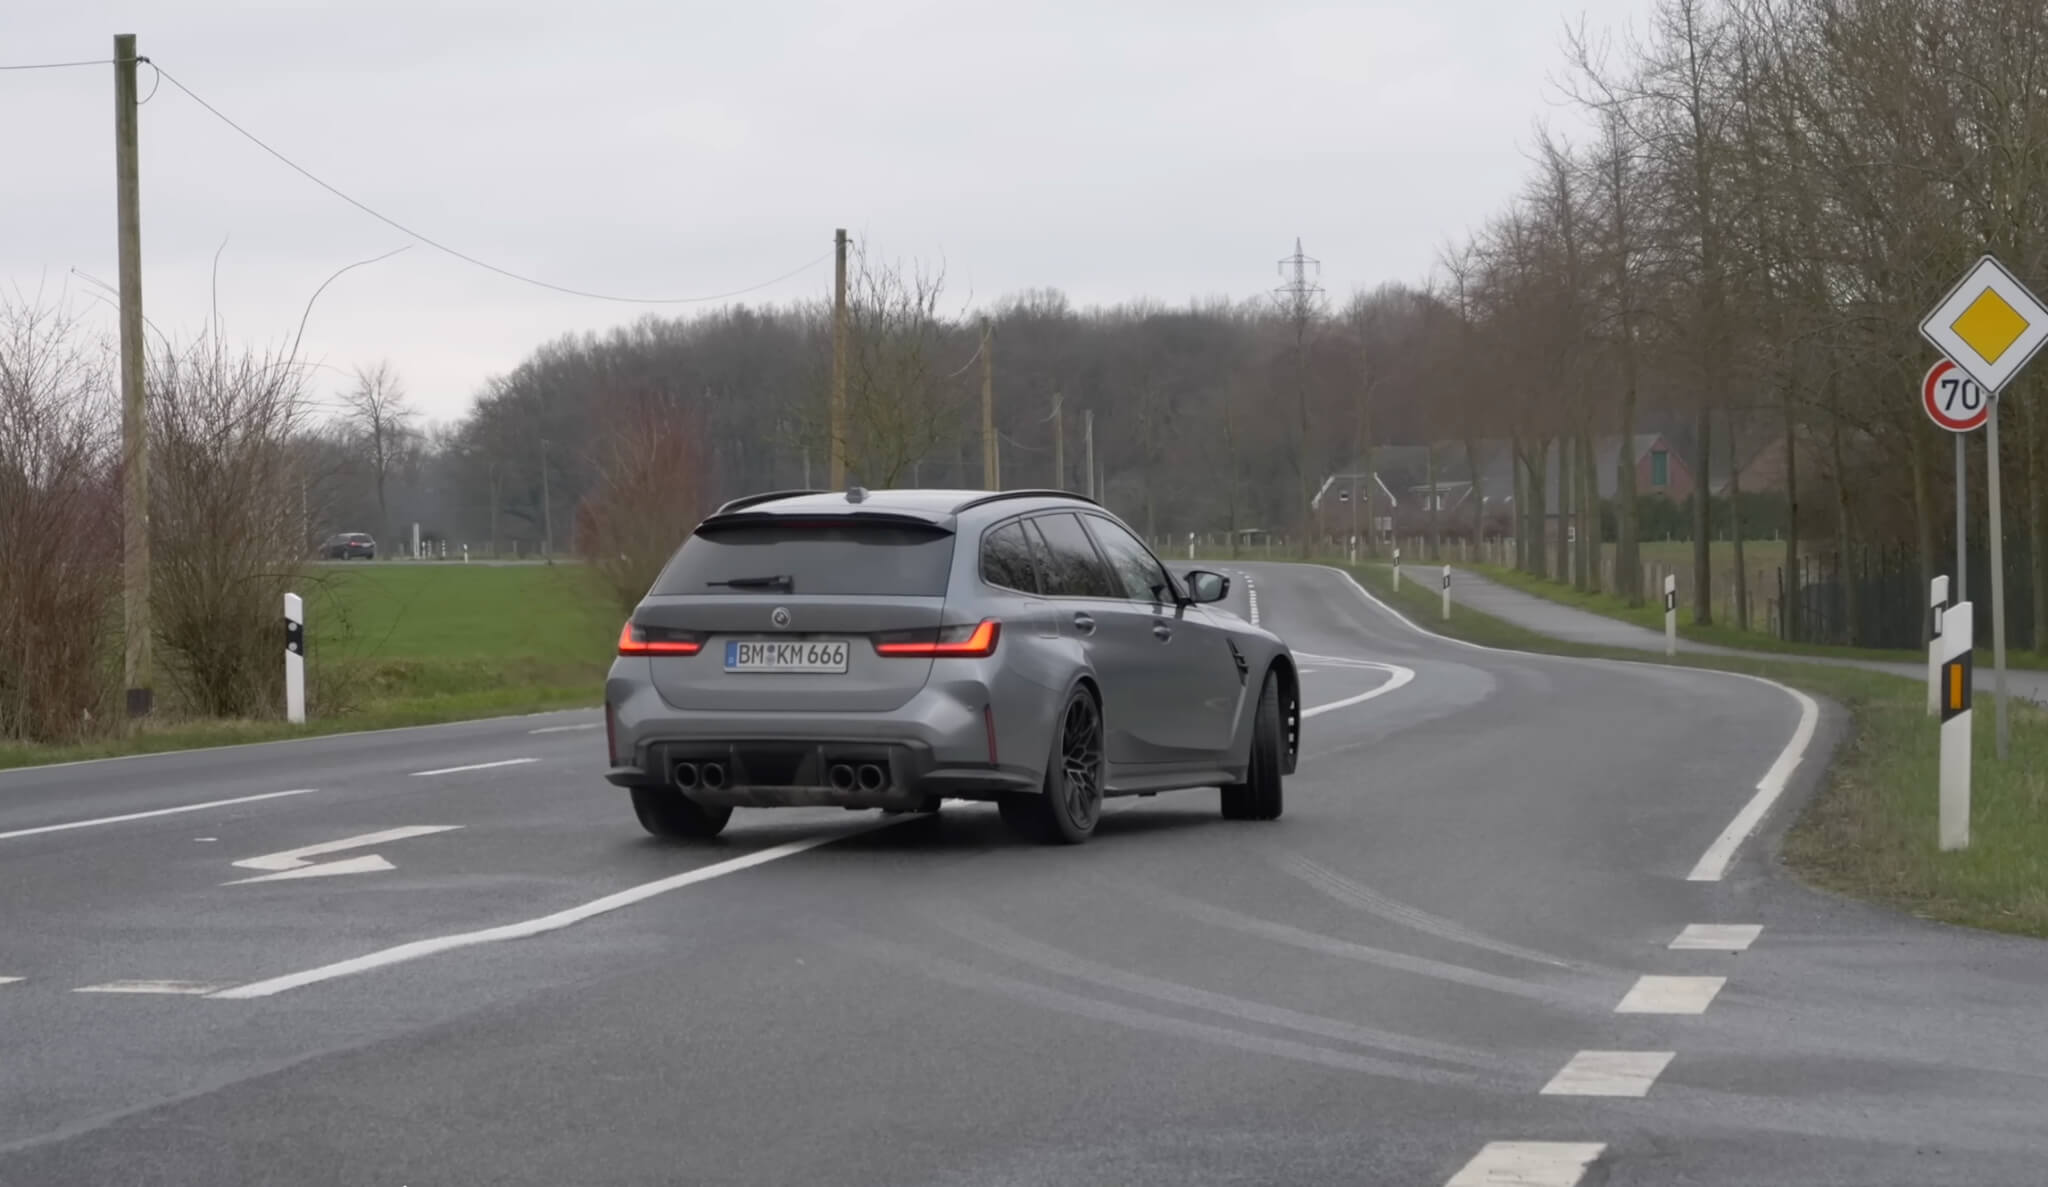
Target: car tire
(672, 816)
(1067, 808)
(1260, 796)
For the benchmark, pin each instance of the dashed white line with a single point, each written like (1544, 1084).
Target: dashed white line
(12, 980)
(1717, 937)
(568, 729)
(1609, 1073)
(1670, 995)
(1251, 592)
(1528, 1164)
(243, 799)
(181, 988)
(475, 766)
(546, 923)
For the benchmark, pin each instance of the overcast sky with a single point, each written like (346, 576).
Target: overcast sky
(1111, 149)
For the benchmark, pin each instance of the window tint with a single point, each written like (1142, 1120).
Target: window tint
(1073, 570)
(817, 556)
(1006, 559)
(1142, 578)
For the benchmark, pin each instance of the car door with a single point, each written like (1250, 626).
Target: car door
(1192, 678)
(1124, 657)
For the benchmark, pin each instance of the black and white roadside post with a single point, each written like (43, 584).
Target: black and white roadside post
(1671, 614)
(1447, 593)
(1937, 601)
(294, 659)
(1990, 327)
(1397, 570)
(1191, 546)
(1958, 687)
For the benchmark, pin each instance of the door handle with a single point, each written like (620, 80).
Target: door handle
(1084, 622)
(1161, 631)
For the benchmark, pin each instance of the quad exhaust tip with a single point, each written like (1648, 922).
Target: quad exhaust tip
(872, 777)
(686, 775)
(713, 775)
(842, 777)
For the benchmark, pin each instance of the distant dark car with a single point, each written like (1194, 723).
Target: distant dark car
(348, 546)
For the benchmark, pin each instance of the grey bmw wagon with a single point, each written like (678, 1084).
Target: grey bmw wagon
(892, 649)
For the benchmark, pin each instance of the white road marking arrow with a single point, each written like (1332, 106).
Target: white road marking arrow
(294, 863)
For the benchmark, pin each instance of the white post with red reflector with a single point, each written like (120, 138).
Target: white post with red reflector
(294, 659)
(1957, 688)
(1937, 598)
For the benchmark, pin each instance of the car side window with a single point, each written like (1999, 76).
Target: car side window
(1073, 568)
(1006, 559)
(1142, 576)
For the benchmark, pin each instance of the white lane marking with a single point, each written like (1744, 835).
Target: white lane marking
(367, 864)
(475, 766)
(12, 980)
(1609, 1073)
(1713, 864)
(1717, 937)
(546, 923)
(567, 729)
(292, 859)
(1397, 676)
(183, 988)
(204, 840)
(1670, 995)
(1305, 671)
(1528, 1164)
(243, 799)
(337, 737)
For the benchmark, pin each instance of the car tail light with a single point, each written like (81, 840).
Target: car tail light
(965, 641)
(635, 639)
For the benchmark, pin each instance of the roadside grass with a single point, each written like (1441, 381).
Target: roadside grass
(1650, 616)
(1869, 831)
(402, 644)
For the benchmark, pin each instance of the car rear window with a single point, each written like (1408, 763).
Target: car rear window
(817, 556)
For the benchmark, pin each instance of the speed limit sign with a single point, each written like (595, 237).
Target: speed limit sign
(1955, 401)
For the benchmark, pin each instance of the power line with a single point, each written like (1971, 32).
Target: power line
(388, 221)
(58, 65)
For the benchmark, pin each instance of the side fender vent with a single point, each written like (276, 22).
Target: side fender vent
(1243, 665)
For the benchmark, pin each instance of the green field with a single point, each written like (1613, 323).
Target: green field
(1870, 831)
(396, 644)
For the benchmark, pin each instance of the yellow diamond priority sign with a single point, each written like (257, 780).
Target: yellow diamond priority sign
(1989, 324)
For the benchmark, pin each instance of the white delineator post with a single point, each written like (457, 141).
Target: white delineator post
(1671, 614)
(1191, 546)
(294, 659)
(1447, 593)
(1397, 570)
(1937, 598)
(415, 541)
(1957, 688)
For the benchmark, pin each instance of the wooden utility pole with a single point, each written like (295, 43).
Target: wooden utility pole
(837, 446)
(991, 459)
(1059, 445)
(135, 621)
(1088, 445)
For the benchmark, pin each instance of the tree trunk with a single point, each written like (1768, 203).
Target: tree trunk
(2037, 530)
(1478, 497)
(1735, 526)
(1702, 516)
(1850, 616)
(1567, 510)
(1435, 534)
(1518, 467)
(1539, 510)
(1590, 527)
(1923, 522)
(1790, 609)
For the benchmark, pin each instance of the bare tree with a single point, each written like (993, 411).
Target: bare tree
(383, 424)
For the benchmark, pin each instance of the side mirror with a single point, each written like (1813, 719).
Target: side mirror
(1205, 586)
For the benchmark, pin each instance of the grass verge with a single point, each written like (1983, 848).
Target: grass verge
(1870, 830)
(400, 644)
(1651, 617)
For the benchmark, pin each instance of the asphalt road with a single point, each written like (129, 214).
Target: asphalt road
(1484, 856)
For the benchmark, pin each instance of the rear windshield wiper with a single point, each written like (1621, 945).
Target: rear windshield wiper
(780, 581)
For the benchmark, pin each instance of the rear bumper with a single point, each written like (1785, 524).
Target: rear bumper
(936, 744)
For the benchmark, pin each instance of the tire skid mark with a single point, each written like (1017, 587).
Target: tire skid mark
(1365, 898)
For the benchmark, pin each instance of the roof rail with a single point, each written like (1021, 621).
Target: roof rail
(999, 496)
(745, 501)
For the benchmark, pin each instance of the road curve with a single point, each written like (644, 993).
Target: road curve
(1462, 926)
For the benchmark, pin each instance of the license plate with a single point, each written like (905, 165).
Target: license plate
(806, 655)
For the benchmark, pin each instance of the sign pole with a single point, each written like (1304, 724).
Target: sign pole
(1962, 521)
(1958, 690)
(1937, 598)
(1997, 579)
